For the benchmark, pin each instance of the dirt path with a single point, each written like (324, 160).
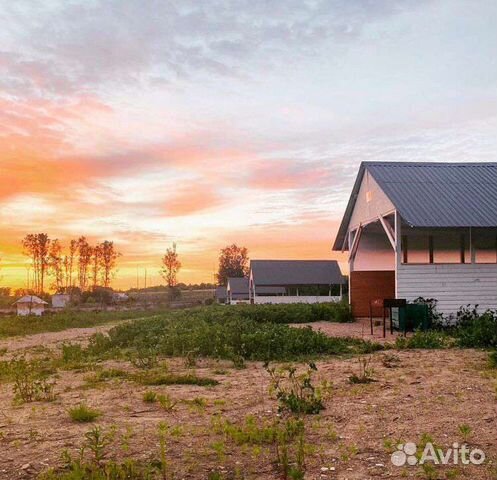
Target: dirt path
(358, 329)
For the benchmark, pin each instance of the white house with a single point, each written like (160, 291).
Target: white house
(295, 281)
(30, 305)
(422, 230)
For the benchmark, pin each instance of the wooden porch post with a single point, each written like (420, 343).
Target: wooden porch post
(398, 250)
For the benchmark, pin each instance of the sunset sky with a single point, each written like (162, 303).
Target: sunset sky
(211, 122)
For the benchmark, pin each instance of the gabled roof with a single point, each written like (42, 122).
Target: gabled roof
(432, 194)
(295, 272)
(238, 285)
(31, 299)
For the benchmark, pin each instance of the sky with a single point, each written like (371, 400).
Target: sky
(210, 122)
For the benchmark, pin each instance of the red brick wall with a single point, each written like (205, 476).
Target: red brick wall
(367, 285)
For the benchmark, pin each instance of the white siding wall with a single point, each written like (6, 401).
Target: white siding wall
(452, 285)
(368, 207)
(295, 299)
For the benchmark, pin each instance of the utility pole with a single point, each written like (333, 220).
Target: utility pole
(145, 278)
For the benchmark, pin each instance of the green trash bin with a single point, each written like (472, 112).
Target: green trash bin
(416, 316)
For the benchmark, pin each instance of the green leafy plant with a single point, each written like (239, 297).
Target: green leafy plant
(295, 392)
(366, 372)
(97, 441)
(31, 381)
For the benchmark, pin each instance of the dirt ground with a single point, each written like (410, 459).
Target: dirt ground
(415, 393)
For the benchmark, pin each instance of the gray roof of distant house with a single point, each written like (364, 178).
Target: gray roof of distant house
(295, 272)
(432, 194)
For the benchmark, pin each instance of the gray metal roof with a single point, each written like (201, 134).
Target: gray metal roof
(433, 194)
(238, 285)
(295, 272)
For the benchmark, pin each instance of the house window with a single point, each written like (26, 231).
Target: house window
(435, 246)
(485, 245)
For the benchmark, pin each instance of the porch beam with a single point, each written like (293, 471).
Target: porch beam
(355, 243)
(389, 232)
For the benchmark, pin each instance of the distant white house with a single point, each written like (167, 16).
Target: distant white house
(422, 230)
(60, 300)
(295, 281)
(30, 305)
(237, 290)
(120, 297)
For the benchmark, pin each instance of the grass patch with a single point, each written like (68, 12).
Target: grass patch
(149, 397)
(83, 414)
(175, 379)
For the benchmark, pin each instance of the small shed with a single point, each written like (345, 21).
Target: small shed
(237, 290)
(30, 305)
(60, 300)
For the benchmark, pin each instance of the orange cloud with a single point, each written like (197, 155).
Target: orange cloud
(191, 200)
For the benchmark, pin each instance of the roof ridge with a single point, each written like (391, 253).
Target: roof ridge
(429, 164)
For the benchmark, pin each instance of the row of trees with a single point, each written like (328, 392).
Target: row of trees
(83, 265)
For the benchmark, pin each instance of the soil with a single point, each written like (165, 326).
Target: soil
(414, 394)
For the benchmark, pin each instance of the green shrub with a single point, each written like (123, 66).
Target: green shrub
(83, 414)
(296, 312)
(492, 359)
(295, 392)
(475, 330)
(30, 380)
(430, 339)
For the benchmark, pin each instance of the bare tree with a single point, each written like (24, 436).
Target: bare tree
(56, 264)
(108, 260)
(96, 263)
(69, 262)
(37, 247)
(170, 266)
(84, 259)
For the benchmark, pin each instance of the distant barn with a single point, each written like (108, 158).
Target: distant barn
(295, 281)
(422, 230)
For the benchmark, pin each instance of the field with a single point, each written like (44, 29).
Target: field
(211, 393)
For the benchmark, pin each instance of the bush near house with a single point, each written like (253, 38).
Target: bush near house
(297, 312)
